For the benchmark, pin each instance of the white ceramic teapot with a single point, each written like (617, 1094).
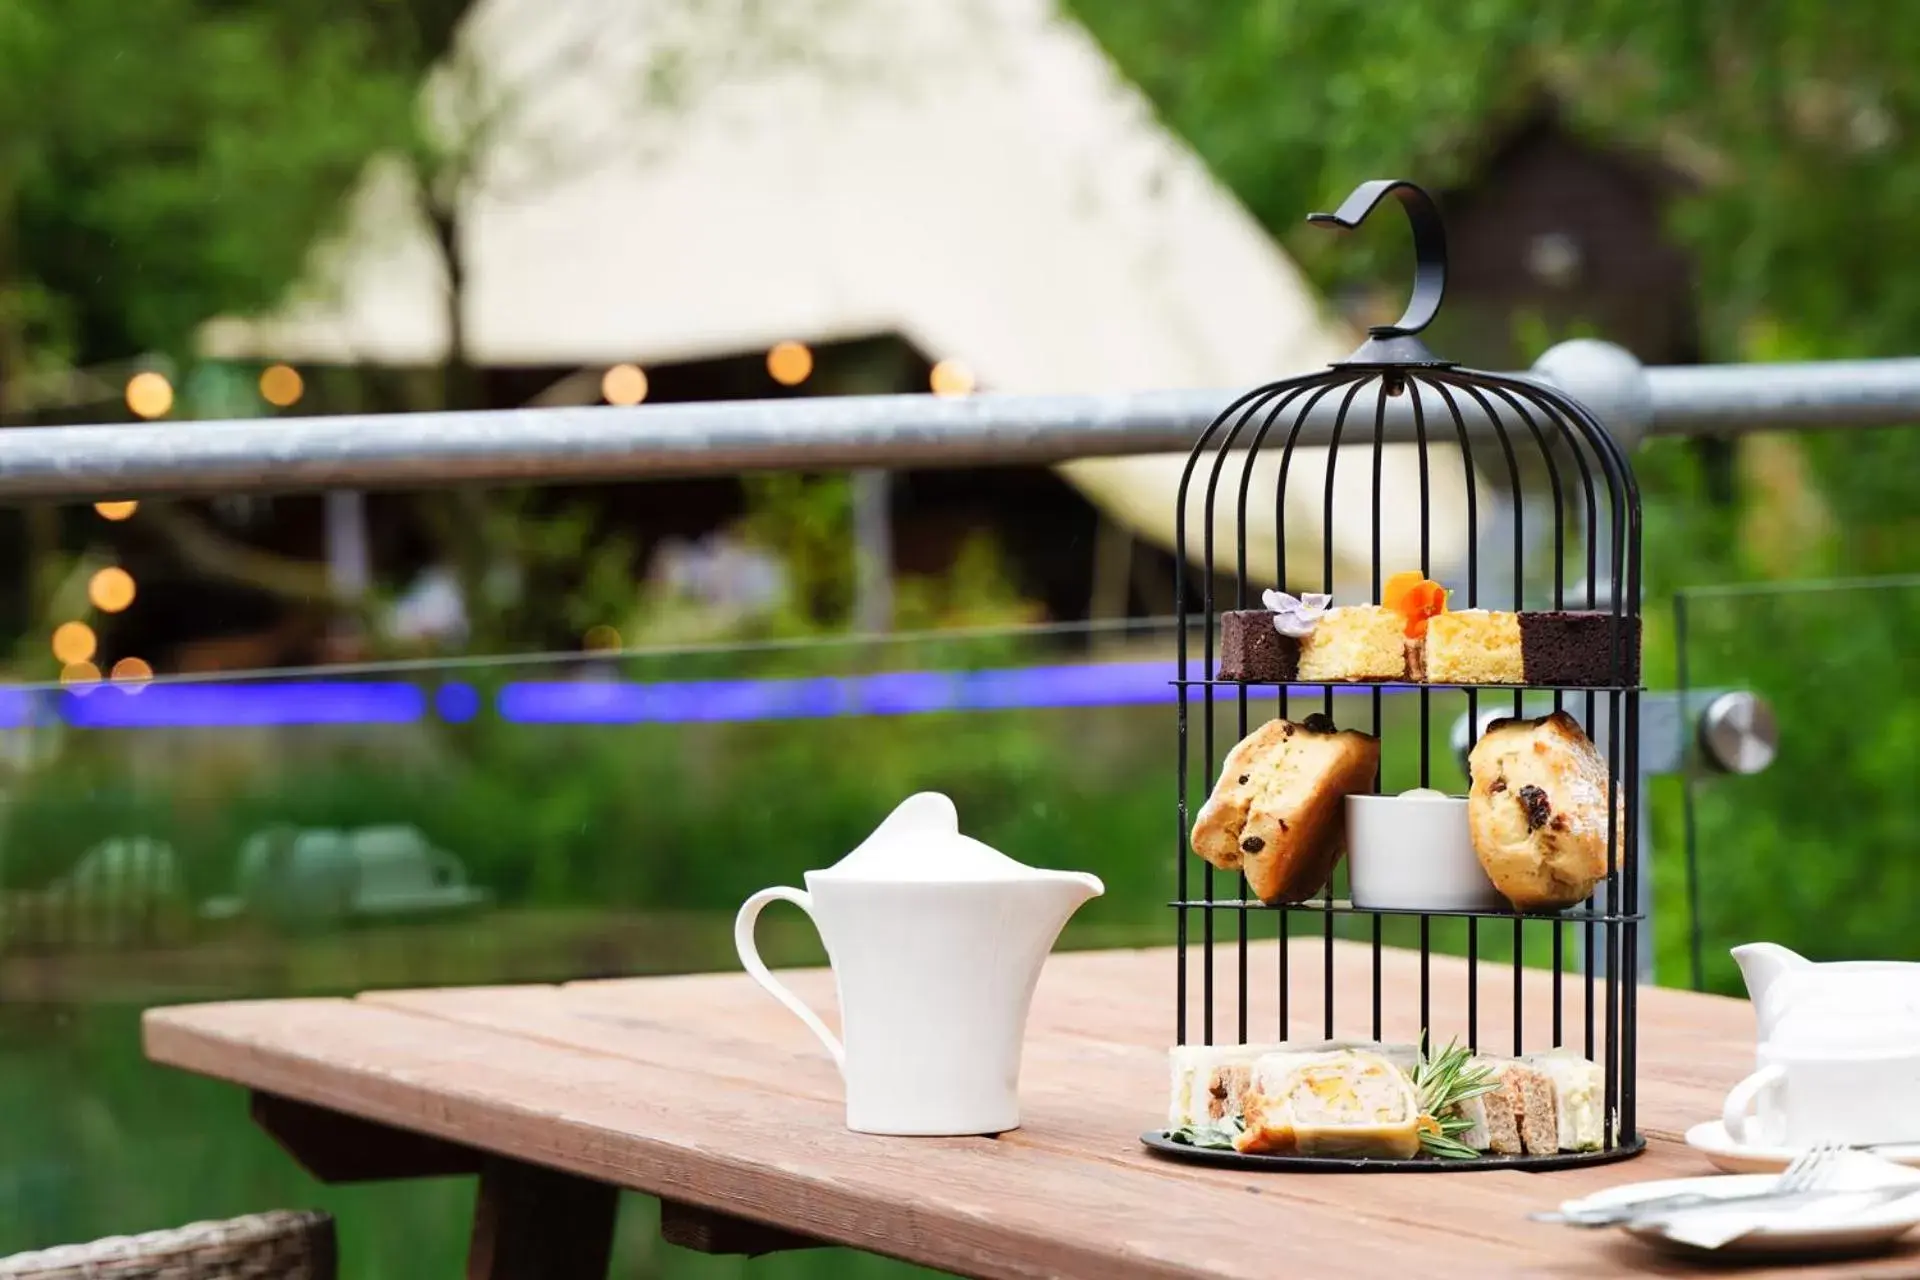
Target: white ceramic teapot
(936, 942)
(1849, 1004)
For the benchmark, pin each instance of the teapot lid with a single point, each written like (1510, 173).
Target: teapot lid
(921, 841)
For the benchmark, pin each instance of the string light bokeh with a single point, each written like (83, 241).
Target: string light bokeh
(111, 589)
(624, 384)
(131, 671)
(74, 642)
(149, 394)
(951, 378)
(790, 363)
(281, 385)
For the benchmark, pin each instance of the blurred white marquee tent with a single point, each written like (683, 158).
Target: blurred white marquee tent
(972, 175)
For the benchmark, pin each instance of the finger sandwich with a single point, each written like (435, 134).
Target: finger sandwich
(1209, 1081)
(1515, 1117)
(1344, 1103)
(1578, 1097)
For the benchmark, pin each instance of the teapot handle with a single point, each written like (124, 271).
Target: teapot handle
(750, 957)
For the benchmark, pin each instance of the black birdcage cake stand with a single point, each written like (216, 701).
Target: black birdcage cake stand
(1534, 647)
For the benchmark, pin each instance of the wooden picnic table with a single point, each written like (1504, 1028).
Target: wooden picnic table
(703, 1092)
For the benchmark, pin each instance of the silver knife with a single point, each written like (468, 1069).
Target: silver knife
(1617, 1215)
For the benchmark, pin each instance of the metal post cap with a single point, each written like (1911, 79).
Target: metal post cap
(1738, 733)
(1608, 380)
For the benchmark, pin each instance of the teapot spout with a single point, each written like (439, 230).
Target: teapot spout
(1077, 887)
(1047, 901)
(1764, 963)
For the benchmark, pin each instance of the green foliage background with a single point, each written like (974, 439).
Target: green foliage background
(1795, 124)
(170, 160)
(1795, 118)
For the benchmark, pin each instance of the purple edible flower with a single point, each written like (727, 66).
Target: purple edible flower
(1295, 617)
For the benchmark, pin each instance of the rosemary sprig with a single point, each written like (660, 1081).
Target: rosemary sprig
(1446, 1147)
(1442, 1082)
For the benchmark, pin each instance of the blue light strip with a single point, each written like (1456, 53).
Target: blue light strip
(206, 706)
(232, 704)
(890, 694)
(19, 708)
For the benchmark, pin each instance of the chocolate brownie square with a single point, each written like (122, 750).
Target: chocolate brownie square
(1252, 651)
(1569, 647)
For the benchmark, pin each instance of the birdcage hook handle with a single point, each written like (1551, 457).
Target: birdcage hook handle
(1429, 246)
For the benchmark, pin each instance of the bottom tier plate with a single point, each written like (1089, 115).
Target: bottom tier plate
(1160, 1143)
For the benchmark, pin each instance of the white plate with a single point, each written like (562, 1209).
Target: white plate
(1873, 1227)
(1723, 1153)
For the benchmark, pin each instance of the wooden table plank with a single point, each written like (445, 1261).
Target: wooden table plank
(1694, 1047)
(971, 1205)
(701, 1090)
(1080, 1096)
(1080, 1093)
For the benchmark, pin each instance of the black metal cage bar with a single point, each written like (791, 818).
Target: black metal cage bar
(1531, 439)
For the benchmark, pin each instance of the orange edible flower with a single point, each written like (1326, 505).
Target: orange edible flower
(1414, 598)
(1396, 589)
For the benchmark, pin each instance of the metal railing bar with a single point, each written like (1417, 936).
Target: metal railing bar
(1726, 590)
(599, 444)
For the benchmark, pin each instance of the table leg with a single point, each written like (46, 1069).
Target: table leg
(532, 1223)
(711, 1231)
(335, 1147)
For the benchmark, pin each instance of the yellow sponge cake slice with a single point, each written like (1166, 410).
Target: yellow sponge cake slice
(1355, 642)
(1474, 646)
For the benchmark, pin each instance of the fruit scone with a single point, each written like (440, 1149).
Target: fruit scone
(1537, 811)
(1278, 812)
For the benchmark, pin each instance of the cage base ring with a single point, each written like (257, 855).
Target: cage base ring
(1158, 1142)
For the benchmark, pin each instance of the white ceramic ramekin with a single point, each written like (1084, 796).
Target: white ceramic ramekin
(1414, 853)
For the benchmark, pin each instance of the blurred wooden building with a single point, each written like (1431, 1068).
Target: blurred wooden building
(1555, 236)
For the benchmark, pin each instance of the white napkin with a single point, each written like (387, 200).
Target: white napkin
(1710, 1228)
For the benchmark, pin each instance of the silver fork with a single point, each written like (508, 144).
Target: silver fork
(1803, 1178)
(1806, 1171)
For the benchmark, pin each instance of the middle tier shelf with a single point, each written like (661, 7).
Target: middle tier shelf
(1345, 907)
(1308, 688)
